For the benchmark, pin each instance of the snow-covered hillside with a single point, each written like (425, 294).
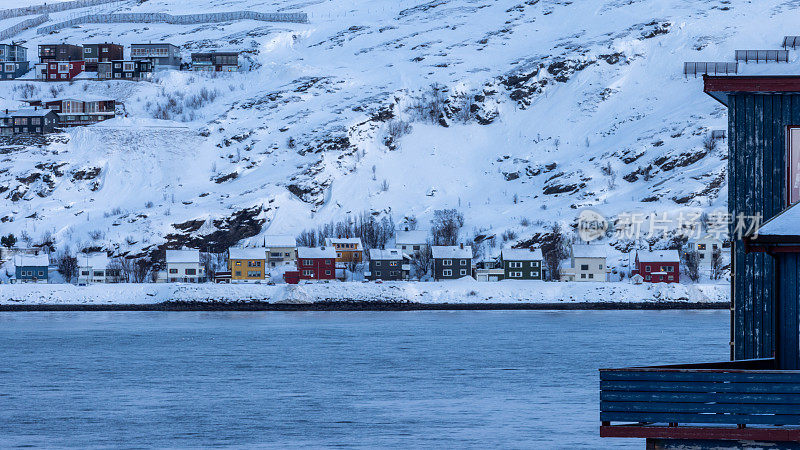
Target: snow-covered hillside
(546, 107)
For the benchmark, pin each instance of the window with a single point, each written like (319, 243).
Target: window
(534, 263)
(447, 273)
(583, 275)
(647, 278)
(701, 246)
(327, 272)
(328, 262)
(238, 263)
(392, 263)
(85, 273)
(9, 67)
(591, 275)
(671, 278)
(254, 274)
(377, 263)
(117, 65)
(463, 262)
(584, 267)
(515, 265)
(793, 171)
(447, 262)
(600, 266)
(535, 274)
(190, 271)
(308, 273)
(173, 270)
(647, 268)
(393, 273)
(63, 67)
(463, 272)
(515, 274)
(99, 273)
(38, 129)
(285, 254)
(378, 273)
(41, 273)
(416, 247)
(307, 262)
(87, 50)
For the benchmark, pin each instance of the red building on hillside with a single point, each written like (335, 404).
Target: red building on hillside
(316, 263)
(59, 70)
(660, 266)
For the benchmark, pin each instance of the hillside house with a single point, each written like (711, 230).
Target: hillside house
(451, 262)
(316, 263)
(247, 264)
(659, 266)
(59, 70)
(281, 250)
(522, 263)
(6, 123)
(215, 62)
(587, 263)
(60, 52)
(126, 69)
(97, 53)
(412, 242)
(13, 61)
(96, 268)
(33, 121)
(31, 268)
(705, 248)
(183, 266)
(389, 264)
(79, 111)
(348, 250)
(164, 56)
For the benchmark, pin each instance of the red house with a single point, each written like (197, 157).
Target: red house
(59, 70)
(660, 266)
(316, 263)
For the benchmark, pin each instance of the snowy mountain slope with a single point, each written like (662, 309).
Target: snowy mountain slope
(538, 99)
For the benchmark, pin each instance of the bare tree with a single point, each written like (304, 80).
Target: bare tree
(141, 269)
(716, 264)
(554, 250)
(445, 226)
(67, 265)
(422, 261)
(691, 264)
(115, 271)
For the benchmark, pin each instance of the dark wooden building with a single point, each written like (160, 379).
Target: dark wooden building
(451, 262)
(34, 121)
(754, 398)
(79, 111)
(97, 53)
(60, 52)
(126, 70)
(388, 264)
(215, 62)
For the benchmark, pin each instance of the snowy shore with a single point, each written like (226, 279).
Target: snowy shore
(451, 292)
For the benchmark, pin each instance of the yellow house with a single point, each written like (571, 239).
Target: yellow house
(247, 264)
(348, 250)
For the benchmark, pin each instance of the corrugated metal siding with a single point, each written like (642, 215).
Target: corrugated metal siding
(757, 174)
(788, 352)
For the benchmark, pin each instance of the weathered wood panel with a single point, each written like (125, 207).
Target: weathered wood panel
(788, 348)
(696, 396)
(757, 125)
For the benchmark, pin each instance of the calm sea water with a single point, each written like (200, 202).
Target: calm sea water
(466, 379)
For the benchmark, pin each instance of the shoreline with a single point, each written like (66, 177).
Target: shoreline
(184, 306)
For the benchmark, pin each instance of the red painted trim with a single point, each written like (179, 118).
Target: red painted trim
(717, 433)
(751, 83)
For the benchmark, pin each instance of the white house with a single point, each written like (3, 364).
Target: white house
(281, 250)
(588, 263)
(94, 268)
(705, 248)
(411, 242)
(183, 266)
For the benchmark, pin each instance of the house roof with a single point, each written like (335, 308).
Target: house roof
(783, 228)
(331, 241)
(389, 254)
(40, 260)
(247, 253)
(279, 240)
(719, 87)
(521, 254)
(589, 251)
(84, 98)
(671, 256)
(97, 260)
(31, 112)
(451, 251)
(316, 252)
(183, 256)
(412, 237)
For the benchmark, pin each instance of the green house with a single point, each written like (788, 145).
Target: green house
(522, 264)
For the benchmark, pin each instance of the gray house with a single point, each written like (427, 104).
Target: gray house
(163, 55)
(13, 61)
(388, 264)
(451, 262)
(34, 121)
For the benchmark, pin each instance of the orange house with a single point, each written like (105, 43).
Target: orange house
(247, 264)
(348, 250)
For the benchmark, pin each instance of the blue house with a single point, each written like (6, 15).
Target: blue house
(31, 268)
(13, 61)
(753, 400)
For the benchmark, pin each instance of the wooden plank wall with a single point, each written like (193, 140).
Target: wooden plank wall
(700, 396)
(757, 175)
(788, 349)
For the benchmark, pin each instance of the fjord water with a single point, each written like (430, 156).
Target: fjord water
(432, 379)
